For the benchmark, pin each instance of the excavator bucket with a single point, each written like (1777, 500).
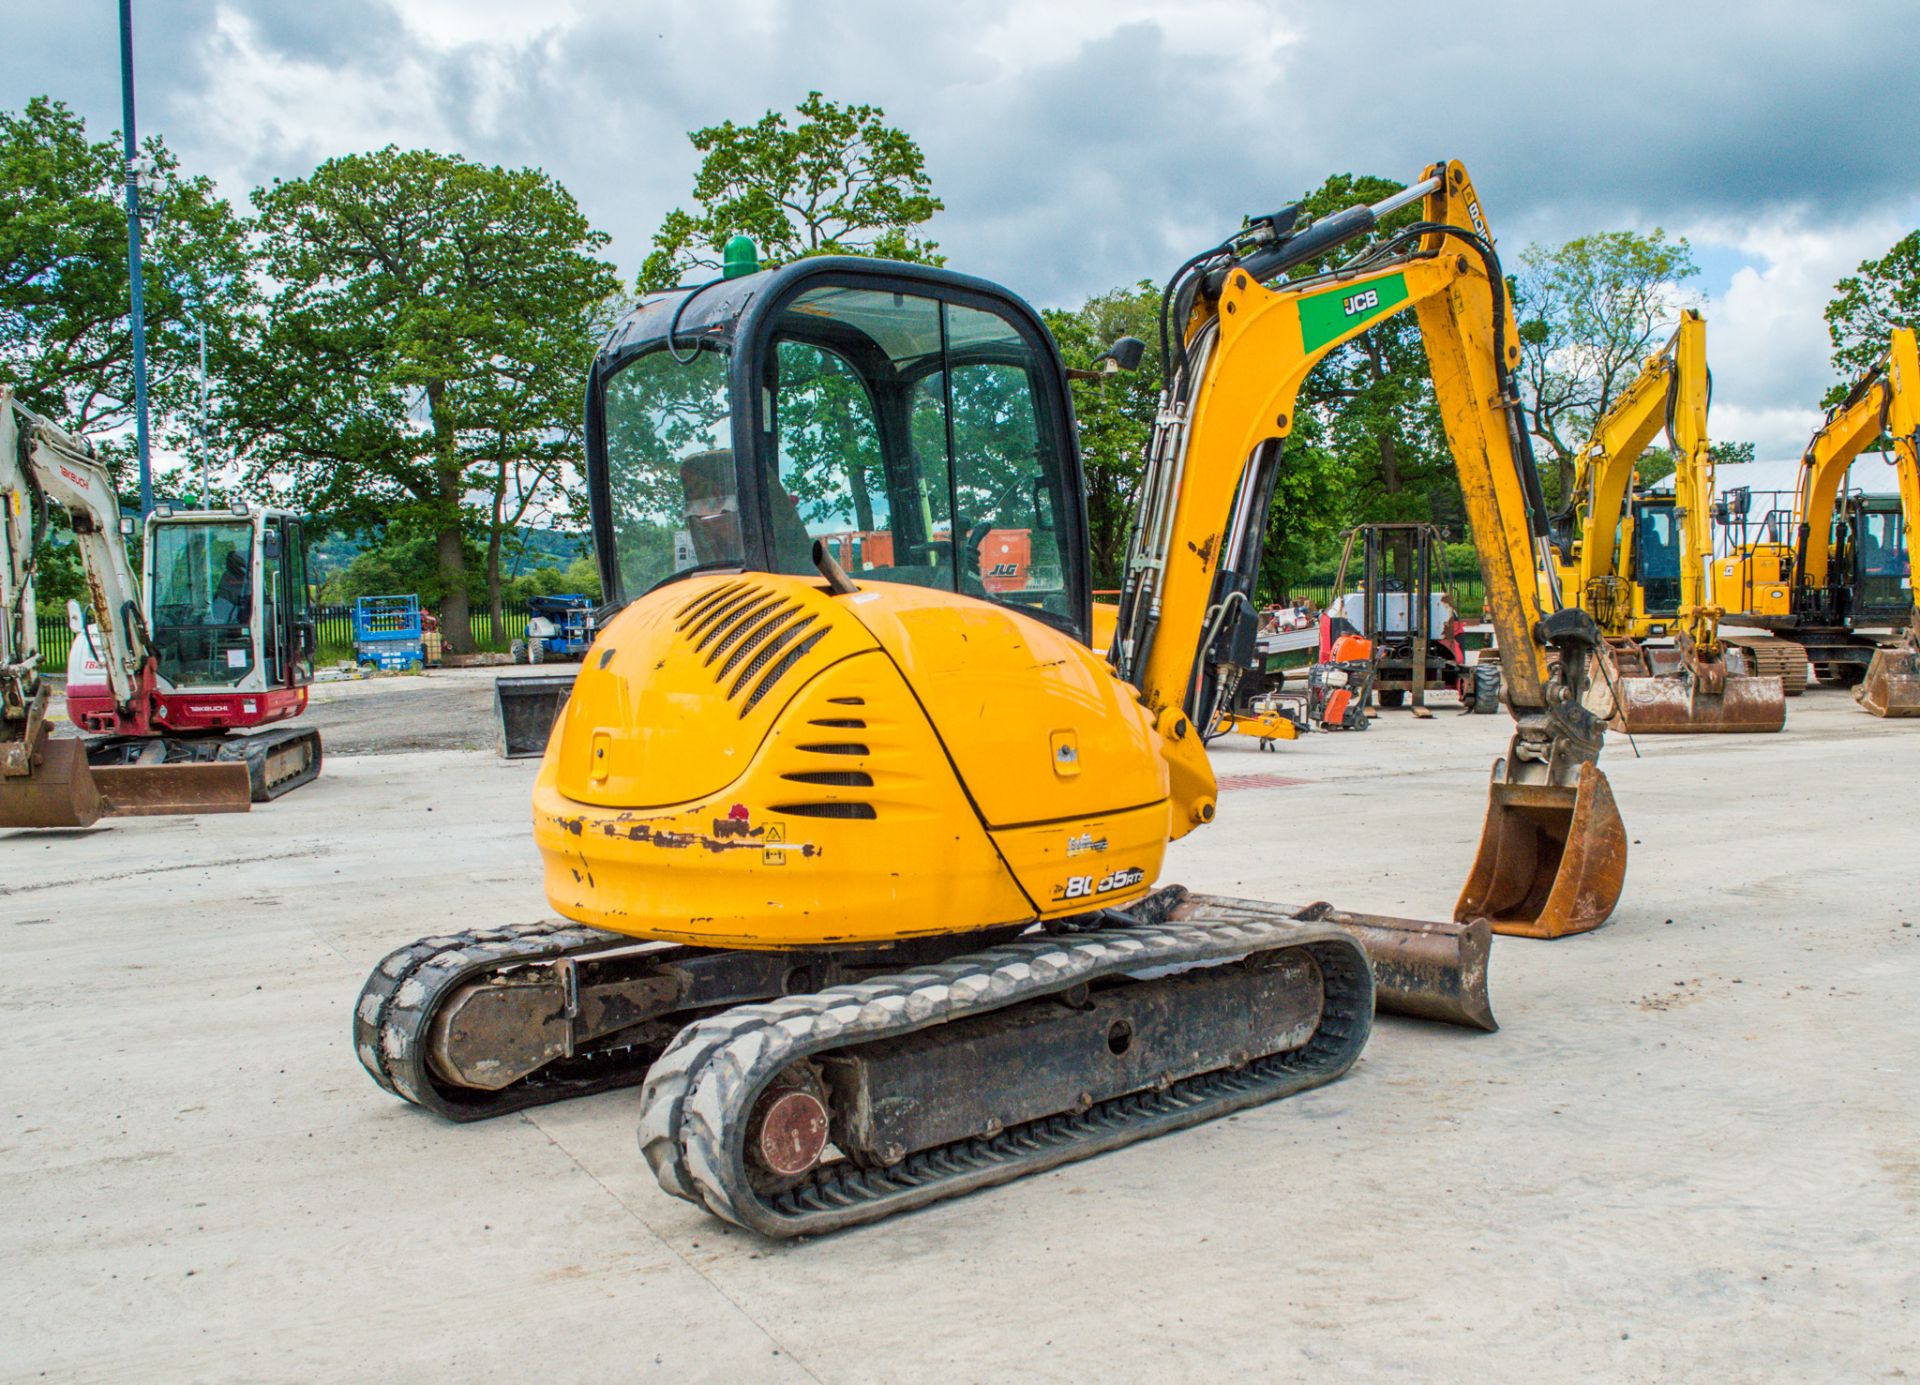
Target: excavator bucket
(1892, 684)
(1649, 693)
(526, 707)
(46, 782)
(1552, 859)
(1679, 706)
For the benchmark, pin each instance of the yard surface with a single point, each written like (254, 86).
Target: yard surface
(1692, 1152)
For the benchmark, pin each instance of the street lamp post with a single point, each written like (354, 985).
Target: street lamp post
(133, 256)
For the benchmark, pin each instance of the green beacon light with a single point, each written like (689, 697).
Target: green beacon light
(739, 258)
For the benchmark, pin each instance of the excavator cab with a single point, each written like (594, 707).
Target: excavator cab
(913, 420)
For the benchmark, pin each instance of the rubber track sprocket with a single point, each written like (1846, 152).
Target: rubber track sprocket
(397, 1006)
(697, 1098)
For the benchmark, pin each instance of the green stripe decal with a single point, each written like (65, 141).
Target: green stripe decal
(1336, 312)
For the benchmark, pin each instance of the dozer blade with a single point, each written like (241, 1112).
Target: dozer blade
(527, 706)
(1675, 705)
(1552, 860)
(1892, 685)
(56, 789)
(142, 791)
(1429, 970)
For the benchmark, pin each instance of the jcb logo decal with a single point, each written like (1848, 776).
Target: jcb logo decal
(1361, 302)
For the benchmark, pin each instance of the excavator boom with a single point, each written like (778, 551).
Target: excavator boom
(1553, 853)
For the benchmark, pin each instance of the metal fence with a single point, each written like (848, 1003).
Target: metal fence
(55, 640)
(333, 626)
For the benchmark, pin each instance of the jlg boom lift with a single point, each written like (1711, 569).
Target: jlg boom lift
(1639, 564)
(802, 822)
(220, 643)
(1808, 592)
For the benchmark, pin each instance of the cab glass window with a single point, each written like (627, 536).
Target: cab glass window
(1657, 539)
(201, 588)
(669, 459)
(910, 441)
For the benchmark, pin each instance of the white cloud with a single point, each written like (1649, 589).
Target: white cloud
(1766, 335)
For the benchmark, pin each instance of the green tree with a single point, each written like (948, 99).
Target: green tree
(1115, 413)
(66, 333)
(839, 181)
(1867, 305)
(1590, 313)
(431, 322)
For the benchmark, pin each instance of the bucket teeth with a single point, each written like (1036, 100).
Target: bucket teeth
(1552, 858)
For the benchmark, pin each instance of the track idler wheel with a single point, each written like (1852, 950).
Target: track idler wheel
(1552, 859)
(1892, 685)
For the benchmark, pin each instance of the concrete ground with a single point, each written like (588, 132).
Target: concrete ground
(1692, 1152)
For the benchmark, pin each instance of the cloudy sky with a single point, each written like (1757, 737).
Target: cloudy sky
(1080, 144)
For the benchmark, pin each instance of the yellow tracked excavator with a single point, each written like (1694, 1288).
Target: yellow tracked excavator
(858, 857)
(1812, 590)
(1639, 563)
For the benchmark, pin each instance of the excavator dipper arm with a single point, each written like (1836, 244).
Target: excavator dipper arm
(1553, 855)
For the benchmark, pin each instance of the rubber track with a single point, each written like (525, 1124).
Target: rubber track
(701, 1090)
(255, 747)
(397, 1005)
(1768, 655)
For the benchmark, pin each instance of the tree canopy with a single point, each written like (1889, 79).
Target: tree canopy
(431, 323)
(1590, 312)
(839, 181)
(1867, 305)
(66, 334)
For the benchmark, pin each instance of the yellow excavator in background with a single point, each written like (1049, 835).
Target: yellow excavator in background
(860, 867)
(1808, 591)
(1639, 564)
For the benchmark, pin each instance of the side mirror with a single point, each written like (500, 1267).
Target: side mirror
(1124, 354)
(76, 619)
(126, 526)
(270, 543)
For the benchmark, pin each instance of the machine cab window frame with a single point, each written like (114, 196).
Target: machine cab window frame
(746, 319)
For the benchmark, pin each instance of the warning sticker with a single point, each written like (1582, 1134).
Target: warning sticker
(773, 852)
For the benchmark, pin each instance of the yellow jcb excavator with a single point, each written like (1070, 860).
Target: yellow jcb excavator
(1639, 564)
(860, 867)
(1808, 592)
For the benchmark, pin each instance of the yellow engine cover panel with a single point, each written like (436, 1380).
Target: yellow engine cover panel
(679, 691)
(845, 825)
(1039, 728)
(1071, 867)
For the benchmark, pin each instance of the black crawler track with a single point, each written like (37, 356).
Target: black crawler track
(700, 1094)
(397, 1005)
